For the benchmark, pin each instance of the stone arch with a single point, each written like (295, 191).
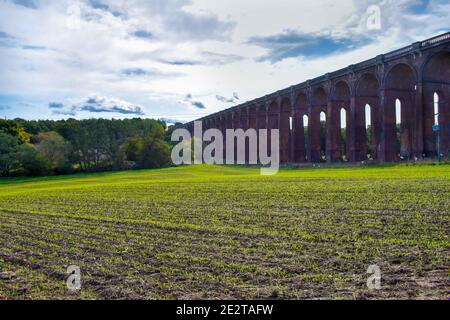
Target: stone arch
(243, 113)
(301, 102)
(236, 115)
(241, 122)
(262, 119)
(342, 91)
(300, 144)
(319, 104)
(436, 79)
(252, 111)
(273, 121)
(436, 68)
(262, 116)
(228, 125)
(368, 85)
(319, 98)
(371, 132)
(344, 133)
(221, 125)
(274, 115)
(324, 120)
(337, 140)
(306, 134)
(213, 124)
(229, 120)
(400, 76)
(400, 84)
(367, 135)
(285, 130)
(236, 119)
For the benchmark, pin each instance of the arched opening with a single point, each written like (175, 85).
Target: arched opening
(262, 121)
(338, 120)
(285, 130)
(399, 117)
(369, 131)
(244, 125)
(274, 116)
(252, 124)
(437, 123)
(228, 125)
(262, 118)
(243, 119)
(343, 135)
(436, 91)
(367, 127)
(317, 125)
(436, 108)
(252, 117)
(213, 125)
(236, 119)
(398, 128)
(300, 152)
(306, 135)
(229, 121)
(236, 125)
(273, 122)
(323, 136)
(222, 127)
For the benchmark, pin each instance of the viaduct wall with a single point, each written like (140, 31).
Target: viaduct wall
(416, 77)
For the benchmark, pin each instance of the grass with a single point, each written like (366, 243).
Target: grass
(207, 232)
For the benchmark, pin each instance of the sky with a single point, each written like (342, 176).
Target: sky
(179, 60)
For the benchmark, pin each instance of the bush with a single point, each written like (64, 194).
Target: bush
(155, 153)
(53, 148)
(32, 163)
(9, 149)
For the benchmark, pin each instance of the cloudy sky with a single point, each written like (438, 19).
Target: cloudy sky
(183, 59)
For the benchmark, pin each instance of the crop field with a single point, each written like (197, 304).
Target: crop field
(209, 232)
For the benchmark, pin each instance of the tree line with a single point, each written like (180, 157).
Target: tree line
(46, 147)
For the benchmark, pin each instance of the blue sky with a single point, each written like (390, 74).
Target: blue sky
(183, 59)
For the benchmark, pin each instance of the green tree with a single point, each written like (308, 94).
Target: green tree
(83, 145)
(54, 148)
(9, 149)
(78, 135)
(13, 128)
(132, 148)
(32, 163)
(155, 152)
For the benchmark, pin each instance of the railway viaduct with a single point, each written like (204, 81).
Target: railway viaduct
(414, 80)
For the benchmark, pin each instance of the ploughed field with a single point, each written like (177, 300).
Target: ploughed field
(207, 232)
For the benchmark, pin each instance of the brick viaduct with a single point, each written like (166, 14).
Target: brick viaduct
(416, 77)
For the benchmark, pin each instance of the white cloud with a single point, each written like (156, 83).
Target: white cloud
(97, 104)
(154, 53)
